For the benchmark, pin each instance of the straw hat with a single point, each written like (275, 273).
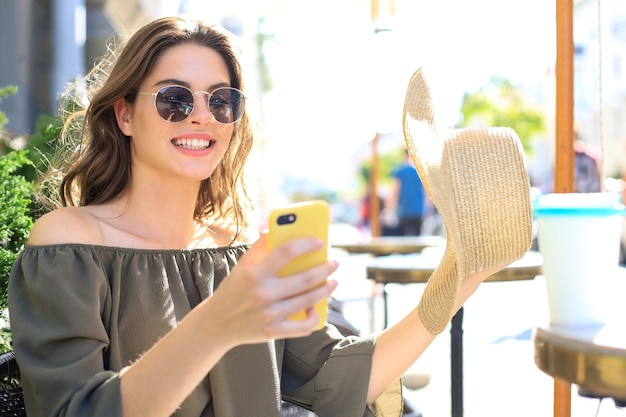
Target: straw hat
(477, 179)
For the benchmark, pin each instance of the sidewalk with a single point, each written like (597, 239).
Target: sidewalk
(500, 376)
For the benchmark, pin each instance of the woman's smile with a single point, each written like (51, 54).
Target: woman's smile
(193, 143)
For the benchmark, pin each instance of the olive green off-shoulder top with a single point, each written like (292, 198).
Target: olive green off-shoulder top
(81, 313)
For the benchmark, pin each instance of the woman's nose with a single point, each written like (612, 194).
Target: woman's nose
(201, 112)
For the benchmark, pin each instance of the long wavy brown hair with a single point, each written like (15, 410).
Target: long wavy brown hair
(93, 165)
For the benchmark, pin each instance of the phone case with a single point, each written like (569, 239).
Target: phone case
(309, 218)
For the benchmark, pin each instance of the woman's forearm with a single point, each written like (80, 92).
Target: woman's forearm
(399, 346)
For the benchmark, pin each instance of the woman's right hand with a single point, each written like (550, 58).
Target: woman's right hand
(252, 304)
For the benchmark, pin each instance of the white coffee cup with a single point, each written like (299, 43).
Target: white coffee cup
(579, 236)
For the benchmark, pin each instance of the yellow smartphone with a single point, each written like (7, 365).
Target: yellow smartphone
(306, 219)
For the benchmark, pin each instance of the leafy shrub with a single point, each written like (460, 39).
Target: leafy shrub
(15, 223)
(16, 196)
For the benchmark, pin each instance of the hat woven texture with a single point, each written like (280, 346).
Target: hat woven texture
(478, 181)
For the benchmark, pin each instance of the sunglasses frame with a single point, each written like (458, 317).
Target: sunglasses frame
(209, 94)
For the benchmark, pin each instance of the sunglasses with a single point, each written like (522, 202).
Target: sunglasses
(175, 103)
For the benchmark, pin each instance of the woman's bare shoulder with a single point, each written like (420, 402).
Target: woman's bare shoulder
(65, 225)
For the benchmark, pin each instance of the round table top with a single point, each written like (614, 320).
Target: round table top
(592, 357)
(417, 268)
(387, 245)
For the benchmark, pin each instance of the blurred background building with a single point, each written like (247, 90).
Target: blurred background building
(600, 56)
(48, 43)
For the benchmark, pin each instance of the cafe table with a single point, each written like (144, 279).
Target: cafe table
(417, 268)
(593, 357)
(387, 245)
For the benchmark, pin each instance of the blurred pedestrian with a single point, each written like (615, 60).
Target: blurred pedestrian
(587, 172)
(405, 203)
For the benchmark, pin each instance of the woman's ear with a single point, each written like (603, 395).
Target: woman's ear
(122, 114)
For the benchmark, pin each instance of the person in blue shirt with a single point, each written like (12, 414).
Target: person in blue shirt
(405, 203)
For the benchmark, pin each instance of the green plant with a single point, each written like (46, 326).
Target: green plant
(16, 196)
(41, 144)
(8, 90)
(500, 103)
(15, 224)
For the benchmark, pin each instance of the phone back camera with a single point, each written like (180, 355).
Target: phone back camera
(286, 219)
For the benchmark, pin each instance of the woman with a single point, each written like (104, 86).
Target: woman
(148, 292)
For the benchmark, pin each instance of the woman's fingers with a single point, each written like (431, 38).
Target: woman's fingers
(282, 326)
(305, 299)
(257, 303)
(279, 297)
(267, 266)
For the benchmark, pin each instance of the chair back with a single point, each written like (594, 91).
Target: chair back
(11, 396)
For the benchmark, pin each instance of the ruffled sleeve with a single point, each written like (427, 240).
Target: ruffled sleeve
(57, 298)
(334, 371)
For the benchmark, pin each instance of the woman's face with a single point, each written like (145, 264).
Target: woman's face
(189, 149)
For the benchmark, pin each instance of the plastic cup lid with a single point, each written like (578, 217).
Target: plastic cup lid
(578, 204)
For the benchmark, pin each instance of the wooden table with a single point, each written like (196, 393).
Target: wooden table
(417, 268)
(387, 245)
(409, 269)
(591, 357)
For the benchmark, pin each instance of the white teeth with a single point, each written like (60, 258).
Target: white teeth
(194, 144)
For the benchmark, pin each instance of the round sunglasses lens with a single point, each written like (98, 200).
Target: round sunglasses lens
(227, 105)
(174, 103)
